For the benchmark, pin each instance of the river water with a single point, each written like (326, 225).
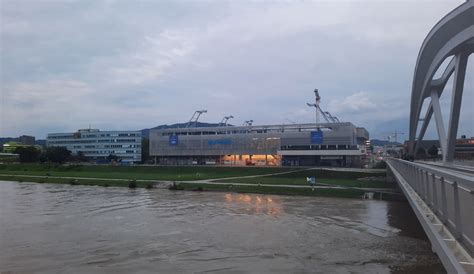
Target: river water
(46, 228)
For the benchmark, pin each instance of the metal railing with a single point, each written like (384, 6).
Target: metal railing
(448, 193)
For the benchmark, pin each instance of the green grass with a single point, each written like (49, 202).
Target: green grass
(328, 177)
(183, 173)
(52, 180)
(342, 193)
(127, 173)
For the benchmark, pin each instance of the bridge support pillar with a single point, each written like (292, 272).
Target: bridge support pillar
(458, 87)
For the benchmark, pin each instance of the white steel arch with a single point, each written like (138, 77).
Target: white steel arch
(453, 36)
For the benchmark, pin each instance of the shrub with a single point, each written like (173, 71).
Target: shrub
(176, 186)
(199, 188)
(132, 184)
(380, 165)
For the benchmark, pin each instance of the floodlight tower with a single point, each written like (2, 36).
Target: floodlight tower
(195, 117)
(316, 104)
(248, 123)
(225, 119)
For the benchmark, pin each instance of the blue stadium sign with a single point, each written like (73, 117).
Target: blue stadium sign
(173, 140)
(317, 137)
(219, 142)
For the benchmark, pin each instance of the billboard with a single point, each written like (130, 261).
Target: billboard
(173, 140)
(317, 137)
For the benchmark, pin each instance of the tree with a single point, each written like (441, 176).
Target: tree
(145, 149)
(28, 154)
(433, 151)
(112, 157)
(81, 157)
(421, 153)
(43, 157)
(58, 154)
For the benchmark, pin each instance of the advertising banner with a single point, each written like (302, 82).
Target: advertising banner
(173, 140)
(317, 137)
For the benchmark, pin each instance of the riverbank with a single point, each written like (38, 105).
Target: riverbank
(283, 181)
(165, 173)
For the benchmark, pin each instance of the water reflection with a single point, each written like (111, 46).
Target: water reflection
(82, 229)
(253, 204)
(377, 219)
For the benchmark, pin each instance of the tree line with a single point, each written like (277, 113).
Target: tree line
(31, 154)
(58, 155)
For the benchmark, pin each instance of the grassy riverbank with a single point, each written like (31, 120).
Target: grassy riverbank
(324, 177)
(76, 181)
(165, 173)
(191, 178)
(262, 189)
(347, 193)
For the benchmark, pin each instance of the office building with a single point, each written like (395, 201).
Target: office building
(100, 145)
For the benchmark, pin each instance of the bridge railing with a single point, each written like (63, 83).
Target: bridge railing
(449, 194)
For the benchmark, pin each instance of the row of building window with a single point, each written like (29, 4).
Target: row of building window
(96, 141)
(321, 147)
(107, 146)
(112, 135)
(249, 131)
(85, 136)
(109, 152)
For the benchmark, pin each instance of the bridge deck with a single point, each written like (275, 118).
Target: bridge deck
(442, 199)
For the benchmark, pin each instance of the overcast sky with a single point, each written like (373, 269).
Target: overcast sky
(137, 64)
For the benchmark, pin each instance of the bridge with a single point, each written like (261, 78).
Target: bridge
(442, 196)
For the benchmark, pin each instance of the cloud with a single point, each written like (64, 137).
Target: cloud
(117, 64)
(353, 104)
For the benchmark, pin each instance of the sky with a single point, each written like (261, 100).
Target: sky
(117, 65)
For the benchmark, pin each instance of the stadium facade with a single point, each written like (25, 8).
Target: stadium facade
(328, 144)
(99, 145)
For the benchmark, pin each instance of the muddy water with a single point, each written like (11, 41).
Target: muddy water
(80, 229)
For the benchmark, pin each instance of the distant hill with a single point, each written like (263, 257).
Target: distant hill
(146, 131)
(381, 143)
(4, 140)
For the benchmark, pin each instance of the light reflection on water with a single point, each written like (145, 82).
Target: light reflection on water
(82, 229)
(256, 204)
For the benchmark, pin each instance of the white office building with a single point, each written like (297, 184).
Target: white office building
(98, 145)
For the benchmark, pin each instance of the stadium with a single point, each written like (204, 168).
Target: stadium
(333, 143)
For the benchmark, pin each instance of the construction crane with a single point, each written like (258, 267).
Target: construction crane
(247, 123)
(225, 119)
(396, 134)
(316, 104)
(333, 119)
(195, 117)
(326, 115)
(393, 136)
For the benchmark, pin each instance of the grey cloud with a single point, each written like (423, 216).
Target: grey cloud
(145, 63)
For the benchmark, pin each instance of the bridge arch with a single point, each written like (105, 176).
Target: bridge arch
(452, 36)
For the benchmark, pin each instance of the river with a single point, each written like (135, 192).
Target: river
(46, 228)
